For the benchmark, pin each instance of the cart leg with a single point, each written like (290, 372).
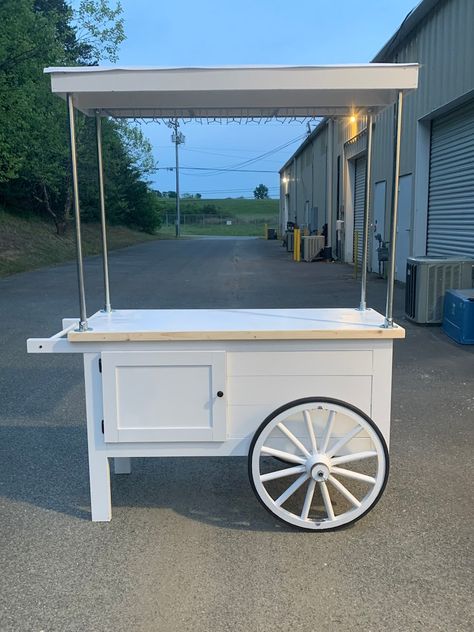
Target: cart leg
(99, 471)
(122, 465)
(99, 477)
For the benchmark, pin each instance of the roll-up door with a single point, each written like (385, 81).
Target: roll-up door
(359, 194)
(451, 187)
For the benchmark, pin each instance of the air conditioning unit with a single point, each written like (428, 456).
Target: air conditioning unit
(312, 246)
(428, 278)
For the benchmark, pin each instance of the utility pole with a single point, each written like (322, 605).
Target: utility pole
(178, 139)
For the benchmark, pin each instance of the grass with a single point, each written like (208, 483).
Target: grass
(221, 230)
(26, 244)
(248, 217)
(245, 209)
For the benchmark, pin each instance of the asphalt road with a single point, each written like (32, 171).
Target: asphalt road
(189, 547)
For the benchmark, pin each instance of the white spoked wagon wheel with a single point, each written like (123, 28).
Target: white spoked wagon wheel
(318, 464)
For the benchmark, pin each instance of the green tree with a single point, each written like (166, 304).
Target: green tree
(138, 147)
(99, 30)
(34, 153)
(260, 192)
(26, 38)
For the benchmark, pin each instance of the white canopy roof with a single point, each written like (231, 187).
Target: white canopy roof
(228, 92)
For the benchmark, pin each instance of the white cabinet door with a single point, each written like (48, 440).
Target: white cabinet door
(164, 396)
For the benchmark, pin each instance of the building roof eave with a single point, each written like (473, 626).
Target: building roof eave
(411, 21)
(307, 141)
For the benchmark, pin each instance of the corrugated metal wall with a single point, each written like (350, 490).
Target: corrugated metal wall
(292, 189)
(451, 188)
(285, 187)
(319, 147)
(443, 43)
(305, 183)
(359, 199)
(306, 175)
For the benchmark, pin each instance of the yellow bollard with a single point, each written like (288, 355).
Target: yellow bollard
(265, 231)
(297, 245)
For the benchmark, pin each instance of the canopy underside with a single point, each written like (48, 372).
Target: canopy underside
(235, 92)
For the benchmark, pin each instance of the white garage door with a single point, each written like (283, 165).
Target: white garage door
(451, 189)
(359, 194)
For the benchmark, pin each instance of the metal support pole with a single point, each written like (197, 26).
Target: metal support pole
(356, 254)
(178, 209)
(393, 227)
(329, 187)
(103, 225)
(365, 243)
(77, 214)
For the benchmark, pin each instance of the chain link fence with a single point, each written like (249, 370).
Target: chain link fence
(169, 219)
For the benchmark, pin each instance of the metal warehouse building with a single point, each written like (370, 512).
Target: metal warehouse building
(324, 181)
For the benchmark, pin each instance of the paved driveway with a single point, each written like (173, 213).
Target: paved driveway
(189, 547)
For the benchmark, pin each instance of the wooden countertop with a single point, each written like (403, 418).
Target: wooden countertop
(235, 324)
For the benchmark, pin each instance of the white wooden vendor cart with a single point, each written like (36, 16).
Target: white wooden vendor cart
(304, 393)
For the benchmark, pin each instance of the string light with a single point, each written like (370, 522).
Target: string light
(245, 119)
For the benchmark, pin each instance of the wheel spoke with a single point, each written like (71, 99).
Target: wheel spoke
(327, 431)
(308, 499)
(345, 439)
(357, 476)
(279, 454)
(327, 500)
(291, 489)
(310, 427)
(293, 439)
(282, 473)
(350, 458)
(344, 491)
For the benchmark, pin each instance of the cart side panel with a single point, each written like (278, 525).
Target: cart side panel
(253, 398)
(261, 381)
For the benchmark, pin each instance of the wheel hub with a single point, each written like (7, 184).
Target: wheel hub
(320, 472)
(318, 467)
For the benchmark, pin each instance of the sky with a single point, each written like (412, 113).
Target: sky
(213, 32)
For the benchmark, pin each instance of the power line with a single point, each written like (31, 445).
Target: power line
(210, 151)
(213, 153)
(274, 171)
(211, 148)
(262, 156)
(236, 167)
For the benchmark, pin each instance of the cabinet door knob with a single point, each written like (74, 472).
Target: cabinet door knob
(220, 394)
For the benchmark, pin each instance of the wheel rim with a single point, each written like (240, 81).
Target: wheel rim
(335, 464)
